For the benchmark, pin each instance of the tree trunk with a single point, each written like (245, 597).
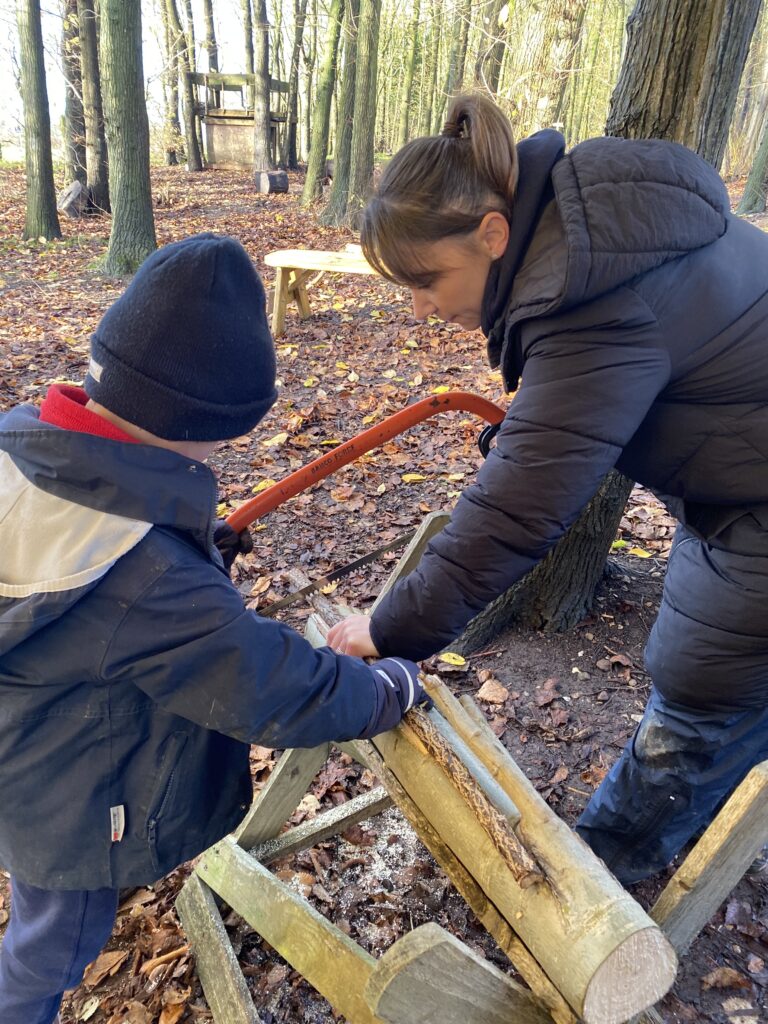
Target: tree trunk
(564, 49)
(310, 60)
(318, 150)
(364, 114)
(432, 126)
(191, 65)
(41, 220)
(171, 123)
(74, 124)
(248, 40)
(132, 237)
(335, 212)
(488, 66)
(95, 142)
(288, 154)
(659, 75)
(410, 70)
(262, 154)
(211, 49)
(194, 158)
(754, 198)
(682, 85)
(457, 58)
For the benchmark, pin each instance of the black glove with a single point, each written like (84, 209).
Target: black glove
(231, 544)
(398, 689)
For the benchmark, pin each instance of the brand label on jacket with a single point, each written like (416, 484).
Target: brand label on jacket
(117, 822)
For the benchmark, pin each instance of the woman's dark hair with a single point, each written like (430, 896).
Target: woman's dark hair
(440, 186)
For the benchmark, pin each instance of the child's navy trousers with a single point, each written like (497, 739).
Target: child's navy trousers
(51, 937)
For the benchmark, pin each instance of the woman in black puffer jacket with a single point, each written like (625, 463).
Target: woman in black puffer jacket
(628, 310)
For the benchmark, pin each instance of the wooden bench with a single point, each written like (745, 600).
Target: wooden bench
(297, 268)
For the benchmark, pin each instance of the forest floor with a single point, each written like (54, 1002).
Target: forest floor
(563, 704)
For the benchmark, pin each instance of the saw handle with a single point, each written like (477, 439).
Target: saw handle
(348, 451)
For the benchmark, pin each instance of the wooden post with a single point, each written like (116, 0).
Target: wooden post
(337, 967)
(280, 301)
(220, 974)
(280, 797)
(411, 557)
(325, 825)
(716, 863)
(429, 975)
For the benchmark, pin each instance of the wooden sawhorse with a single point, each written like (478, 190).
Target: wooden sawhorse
(298, 268)
(584, 947)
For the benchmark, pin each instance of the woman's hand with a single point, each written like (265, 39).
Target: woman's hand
(353, 636)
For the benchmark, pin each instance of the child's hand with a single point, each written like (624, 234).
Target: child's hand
(231, 544)
(353, 636)
(398, 687)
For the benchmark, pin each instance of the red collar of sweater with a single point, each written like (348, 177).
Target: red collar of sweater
(64, 406)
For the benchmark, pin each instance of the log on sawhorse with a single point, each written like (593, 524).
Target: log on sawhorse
(584, 947)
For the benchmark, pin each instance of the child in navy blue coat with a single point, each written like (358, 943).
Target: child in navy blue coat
(132, 678)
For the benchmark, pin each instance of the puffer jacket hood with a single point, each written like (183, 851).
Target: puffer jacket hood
(593, 220)
(48, 479)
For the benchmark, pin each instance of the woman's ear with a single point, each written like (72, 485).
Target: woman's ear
(493, 234)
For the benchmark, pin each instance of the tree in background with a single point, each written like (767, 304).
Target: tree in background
(262, 126)
(132, 237)
(194, 157)
(410, 70)
(457, 58)
(172, 125)
(683, 85)
(248, 41)
(364, 113)
(335, 211)
(318, 150)
(41, 220)
(96, 163)
(558, 592)
(211, 48)
(491, 51)
(288, 153)
(756, 191)
(74, 122)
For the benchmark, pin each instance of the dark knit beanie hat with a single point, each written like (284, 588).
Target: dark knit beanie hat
(186, 352)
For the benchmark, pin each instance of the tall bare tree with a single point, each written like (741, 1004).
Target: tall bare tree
(410, 70)
(262, 121)
(74, 122)
(336, 209)
(364, 114)
(172, 125)
(95, 141)
(288, 153)
(248, 43)
(318, 151)
(132, 237)
(180, 40)
(211, 48)
(41, 220)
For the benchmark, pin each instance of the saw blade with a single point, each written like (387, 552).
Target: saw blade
(337, 574)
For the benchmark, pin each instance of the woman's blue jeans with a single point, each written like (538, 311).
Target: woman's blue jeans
(51, 937)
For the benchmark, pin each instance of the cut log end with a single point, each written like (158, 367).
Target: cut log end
(649, 960)
(271, 181)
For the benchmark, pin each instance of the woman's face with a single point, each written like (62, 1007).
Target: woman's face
(457, 270)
